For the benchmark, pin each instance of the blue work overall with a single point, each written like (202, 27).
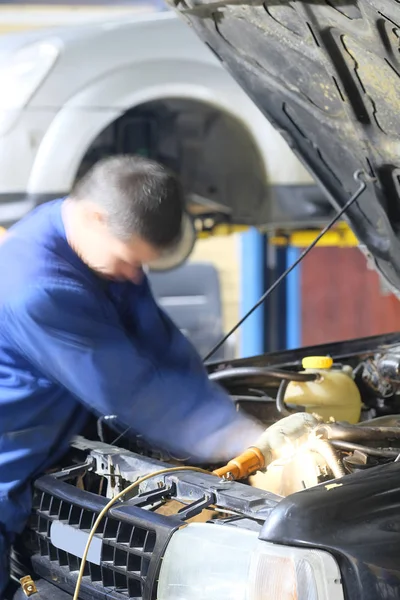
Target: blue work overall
(70, 343)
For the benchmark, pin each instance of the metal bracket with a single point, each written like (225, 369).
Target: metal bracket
(196, 507)
(28, 586)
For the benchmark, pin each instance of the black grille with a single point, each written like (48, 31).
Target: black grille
(133, 540)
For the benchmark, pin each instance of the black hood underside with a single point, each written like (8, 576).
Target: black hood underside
(327, 75)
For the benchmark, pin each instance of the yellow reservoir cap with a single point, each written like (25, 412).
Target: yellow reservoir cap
(317, 362)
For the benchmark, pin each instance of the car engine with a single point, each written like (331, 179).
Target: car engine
(367, 394)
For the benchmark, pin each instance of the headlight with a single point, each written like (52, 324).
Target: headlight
(206, 562)
(22, 73)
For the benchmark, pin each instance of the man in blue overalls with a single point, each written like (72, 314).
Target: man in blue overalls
(80, 331)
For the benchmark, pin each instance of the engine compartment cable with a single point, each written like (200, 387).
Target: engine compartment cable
(238, 372)
(354, 433)
(280, 399)
(362, 187)
(378, 452)
(111, 503)
(326, 450)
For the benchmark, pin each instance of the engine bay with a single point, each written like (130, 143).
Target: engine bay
(356, 407)
(307, 475)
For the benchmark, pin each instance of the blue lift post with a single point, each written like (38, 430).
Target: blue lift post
(293, 301)
(253, 245)
(276, 325)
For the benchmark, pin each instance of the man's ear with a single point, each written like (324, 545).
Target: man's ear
(95, 216)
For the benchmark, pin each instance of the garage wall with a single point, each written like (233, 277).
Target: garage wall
(223, 252)
(342, 299)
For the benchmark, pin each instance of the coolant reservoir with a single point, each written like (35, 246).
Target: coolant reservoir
(334, 395)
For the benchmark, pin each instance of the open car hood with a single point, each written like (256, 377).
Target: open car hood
(327, 75)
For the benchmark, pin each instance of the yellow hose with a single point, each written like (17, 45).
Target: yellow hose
(111, 503)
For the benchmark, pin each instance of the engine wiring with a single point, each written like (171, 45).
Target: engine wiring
(378, 452)
(362, 187)
(111, 503)
(280, 399)
(262, 372)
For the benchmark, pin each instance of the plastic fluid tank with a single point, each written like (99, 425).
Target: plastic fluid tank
(334, 395)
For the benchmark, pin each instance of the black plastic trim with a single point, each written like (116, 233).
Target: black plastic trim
(131, 536)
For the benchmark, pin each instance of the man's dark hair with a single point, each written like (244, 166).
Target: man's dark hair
(140, 197)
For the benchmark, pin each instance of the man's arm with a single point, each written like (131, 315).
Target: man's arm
(65, 332)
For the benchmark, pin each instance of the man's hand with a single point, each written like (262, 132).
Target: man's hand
(281, 437)
(276, 441)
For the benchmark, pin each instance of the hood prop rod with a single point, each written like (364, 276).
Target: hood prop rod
(362, 187)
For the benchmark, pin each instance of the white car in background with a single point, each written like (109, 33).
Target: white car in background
(140, 83)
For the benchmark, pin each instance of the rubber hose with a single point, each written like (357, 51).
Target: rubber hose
(354, 433)
(280, 400)
(385, 421)
(379, 452)
(325, 449)
(262, 372)
(259, 399)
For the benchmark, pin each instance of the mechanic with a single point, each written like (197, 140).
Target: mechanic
(81, 333)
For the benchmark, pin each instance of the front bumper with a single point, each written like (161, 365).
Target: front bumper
(133, 542)
(132, 538)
